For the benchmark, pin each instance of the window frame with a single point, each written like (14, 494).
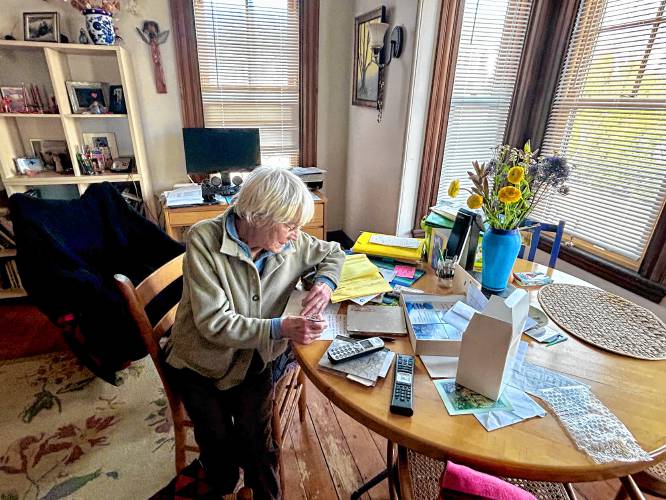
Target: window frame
(545, 49)
(187, 61)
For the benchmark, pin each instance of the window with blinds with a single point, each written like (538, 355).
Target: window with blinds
(249, 68)
(490, 49)
(609, 119)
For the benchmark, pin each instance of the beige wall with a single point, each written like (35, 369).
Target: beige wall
(336, 22)
(375, 151)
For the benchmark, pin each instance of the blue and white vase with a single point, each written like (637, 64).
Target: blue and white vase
(500, 249)
(99, 23)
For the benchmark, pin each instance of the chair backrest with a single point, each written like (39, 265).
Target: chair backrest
(139, 297)
(536, 228)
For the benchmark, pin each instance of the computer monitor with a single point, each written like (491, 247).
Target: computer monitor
(209, 150)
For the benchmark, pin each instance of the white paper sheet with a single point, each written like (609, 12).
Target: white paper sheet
(475, 298)
(394, 241)
(388, 274)
(523, 407)
(337, 325)
(440, 366)
(459, 316)
(387, 364)
(364, 300)
(295, 305)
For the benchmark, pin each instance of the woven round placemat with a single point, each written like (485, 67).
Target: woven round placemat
(605, 320)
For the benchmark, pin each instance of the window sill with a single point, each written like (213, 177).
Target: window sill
(618, 275)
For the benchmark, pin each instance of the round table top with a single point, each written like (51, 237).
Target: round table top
(538, 449)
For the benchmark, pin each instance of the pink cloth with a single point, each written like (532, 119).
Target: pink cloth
(461, 479)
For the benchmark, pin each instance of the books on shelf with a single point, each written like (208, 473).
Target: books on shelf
(9, 276)
(532, 279)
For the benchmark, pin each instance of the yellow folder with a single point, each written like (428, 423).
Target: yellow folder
(359, 278)
(364, 245)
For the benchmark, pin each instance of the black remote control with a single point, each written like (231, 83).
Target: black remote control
(403, 383)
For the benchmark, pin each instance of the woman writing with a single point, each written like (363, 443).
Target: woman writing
(238, 273)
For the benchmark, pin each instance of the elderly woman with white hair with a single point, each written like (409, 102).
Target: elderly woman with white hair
(238, 273)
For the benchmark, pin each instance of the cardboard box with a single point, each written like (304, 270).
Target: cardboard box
(434, 347)
(490, 342)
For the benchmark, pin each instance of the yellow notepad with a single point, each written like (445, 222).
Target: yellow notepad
(359, 278)
(364, 245)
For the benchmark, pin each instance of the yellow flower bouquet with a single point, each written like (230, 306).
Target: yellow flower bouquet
(509, 186)
(507, 189)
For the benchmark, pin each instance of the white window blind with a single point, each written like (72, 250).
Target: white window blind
(609, 119)
(249, 68)
(490, 49)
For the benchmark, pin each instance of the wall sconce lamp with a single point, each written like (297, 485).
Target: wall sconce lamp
(377, 34)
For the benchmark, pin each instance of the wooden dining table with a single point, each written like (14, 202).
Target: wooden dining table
(535, 449)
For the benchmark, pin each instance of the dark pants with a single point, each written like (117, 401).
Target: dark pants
(233, 429)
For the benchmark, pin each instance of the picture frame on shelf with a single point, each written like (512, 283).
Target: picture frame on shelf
(54, 154)
(29, 165)
(104, 142)
(87, 97)
(41, 27)
(14, 99)
(117, 103)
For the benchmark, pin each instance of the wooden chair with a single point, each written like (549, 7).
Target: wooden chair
(536, 228)
(652, 480)
(289, 389)
(418, 478)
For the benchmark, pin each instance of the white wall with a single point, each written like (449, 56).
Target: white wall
(375, 151)
(336, 23)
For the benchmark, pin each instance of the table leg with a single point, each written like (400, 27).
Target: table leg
(385, 474)
(631, 488)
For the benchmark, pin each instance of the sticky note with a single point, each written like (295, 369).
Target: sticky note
(405, 271)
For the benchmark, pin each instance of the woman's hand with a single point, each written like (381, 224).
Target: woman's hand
(317, 300)
(302, 330)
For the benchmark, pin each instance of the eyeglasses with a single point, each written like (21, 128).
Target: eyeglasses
(293, 227)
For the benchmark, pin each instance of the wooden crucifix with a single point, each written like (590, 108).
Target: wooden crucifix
(150, 33)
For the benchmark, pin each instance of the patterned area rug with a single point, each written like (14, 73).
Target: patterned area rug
(66, 434)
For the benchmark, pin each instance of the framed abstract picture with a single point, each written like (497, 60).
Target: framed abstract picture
(366, 71)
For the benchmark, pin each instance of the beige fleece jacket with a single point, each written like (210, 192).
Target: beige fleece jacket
(225, 310)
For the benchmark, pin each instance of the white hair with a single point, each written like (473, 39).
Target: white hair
(274, 195)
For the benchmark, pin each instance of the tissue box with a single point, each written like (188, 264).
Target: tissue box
(423, 341)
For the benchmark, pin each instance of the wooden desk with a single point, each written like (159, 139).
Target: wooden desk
(536, 449)
(177, 220)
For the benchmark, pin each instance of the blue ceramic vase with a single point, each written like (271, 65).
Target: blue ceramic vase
(100, 26)
(500, 249)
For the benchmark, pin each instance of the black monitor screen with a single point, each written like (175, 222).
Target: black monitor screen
(221, 149)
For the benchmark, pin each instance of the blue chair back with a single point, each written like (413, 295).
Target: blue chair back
(536, 229)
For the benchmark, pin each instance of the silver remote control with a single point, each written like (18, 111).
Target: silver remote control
(352, 350)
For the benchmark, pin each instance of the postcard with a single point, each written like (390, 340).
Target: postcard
(462, 401)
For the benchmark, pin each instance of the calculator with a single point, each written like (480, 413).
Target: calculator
(353, 350)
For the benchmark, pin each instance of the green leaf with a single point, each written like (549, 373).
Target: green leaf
(71, 485)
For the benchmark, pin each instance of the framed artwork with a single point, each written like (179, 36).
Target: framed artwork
(366, 71)
(41, 27)
(13, 99)
(104, 142)
(54, 154)
(29, 166)
(87, 97)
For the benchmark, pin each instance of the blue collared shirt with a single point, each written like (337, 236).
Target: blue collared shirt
(260, 263)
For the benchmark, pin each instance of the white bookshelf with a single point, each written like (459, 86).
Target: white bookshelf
(51, 65)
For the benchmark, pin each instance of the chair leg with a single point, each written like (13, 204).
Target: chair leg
(631, 488)
(281, 472)
(180, 436)
(302, 401)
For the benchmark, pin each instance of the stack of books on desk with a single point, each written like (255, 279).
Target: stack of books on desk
(365, 370)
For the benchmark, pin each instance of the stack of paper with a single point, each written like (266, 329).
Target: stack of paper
(359, 278)
(182, 196)
(403, 249)
(337, 324)
(364, 370)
